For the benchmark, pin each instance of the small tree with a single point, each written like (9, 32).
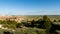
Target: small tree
(58, 20)
(32, 23)
(47, 23)
(19, 25)
(7, 32)
(54, 21)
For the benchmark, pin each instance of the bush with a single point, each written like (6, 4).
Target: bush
(54, 21)
(47, 24)
(7, 32)
(19, 25)
(32, 23)
(58, 20)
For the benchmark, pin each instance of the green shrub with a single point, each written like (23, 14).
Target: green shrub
(54, 21)
(47, 23)
(18, 25)
(58, 20)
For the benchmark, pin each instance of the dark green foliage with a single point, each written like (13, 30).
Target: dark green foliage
(32, 23)
(7, 32)
(18, 25)
(54, 21)
(47, 24)
(26, 24)
(58, 20)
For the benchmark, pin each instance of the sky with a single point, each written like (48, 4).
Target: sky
(29, 7)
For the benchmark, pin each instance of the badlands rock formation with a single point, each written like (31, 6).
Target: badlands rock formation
(15, 18)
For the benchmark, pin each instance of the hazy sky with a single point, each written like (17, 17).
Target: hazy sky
(29, 7)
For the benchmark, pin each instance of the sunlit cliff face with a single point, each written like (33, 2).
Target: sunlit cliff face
(15, 18)
(5, 17)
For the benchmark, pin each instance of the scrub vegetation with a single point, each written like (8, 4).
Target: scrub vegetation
(42, 25)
